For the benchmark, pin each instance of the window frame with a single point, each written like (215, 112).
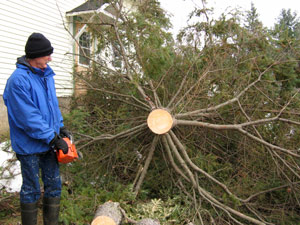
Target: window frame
(84, 45)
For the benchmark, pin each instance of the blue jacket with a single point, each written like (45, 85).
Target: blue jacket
(32, 107)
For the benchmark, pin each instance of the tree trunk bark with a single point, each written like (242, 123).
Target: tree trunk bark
(108, 214)
(148, 222)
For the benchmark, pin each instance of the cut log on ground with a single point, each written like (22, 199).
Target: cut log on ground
(148, 222)
(110, 213)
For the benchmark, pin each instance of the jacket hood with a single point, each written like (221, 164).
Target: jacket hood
(22, 63)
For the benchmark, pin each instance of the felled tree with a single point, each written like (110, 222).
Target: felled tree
(208, 107)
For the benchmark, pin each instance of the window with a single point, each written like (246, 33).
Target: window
(84, 48)
(116, 56)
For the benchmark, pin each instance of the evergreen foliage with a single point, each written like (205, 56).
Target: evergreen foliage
(218, 72)
(217, 59)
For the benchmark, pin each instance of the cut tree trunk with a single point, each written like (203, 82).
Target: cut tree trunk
(108, 214)
(148, 222)
(160, 121)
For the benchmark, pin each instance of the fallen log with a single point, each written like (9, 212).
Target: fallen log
(148, 222)
(110, 213)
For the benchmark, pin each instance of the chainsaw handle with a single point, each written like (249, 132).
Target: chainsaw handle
(70, 156)
(71, 138)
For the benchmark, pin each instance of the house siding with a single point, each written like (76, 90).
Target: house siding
(20, 18)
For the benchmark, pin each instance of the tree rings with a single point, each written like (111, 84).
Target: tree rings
(160, 121)
(103, 220)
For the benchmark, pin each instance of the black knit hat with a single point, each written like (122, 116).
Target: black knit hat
(37, 45)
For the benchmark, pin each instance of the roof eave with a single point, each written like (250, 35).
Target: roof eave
(99, 10)
(80, 13)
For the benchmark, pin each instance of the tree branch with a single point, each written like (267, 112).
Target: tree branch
(122, 134)
(147, 163)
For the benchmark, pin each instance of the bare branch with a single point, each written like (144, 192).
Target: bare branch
(191, 88)
(147, 163)
(132, 131)
(269, 190)
(290, 152)
(239, 127)
(214, 108)
(128, 74)
(196, 168)
(176, 168)
(180, 87)
(205, 194)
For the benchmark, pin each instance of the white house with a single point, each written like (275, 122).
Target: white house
(60, 21)
(20, 18)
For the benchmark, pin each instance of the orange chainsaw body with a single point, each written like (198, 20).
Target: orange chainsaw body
(70, 156)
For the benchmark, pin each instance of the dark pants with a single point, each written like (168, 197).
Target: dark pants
(30, 168)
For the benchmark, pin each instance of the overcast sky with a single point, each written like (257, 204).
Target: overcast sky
(268, 10)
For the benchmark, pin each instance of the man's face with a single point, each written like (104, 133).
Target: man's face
(41, 62)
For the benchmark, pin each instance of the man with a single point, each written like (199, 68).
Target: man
(36, 129)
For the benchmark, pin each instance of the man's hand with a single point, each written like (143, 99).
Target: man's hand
(64, 132)
(59, 143)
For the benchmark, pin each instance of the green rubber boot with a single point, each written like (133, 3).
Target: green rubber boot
(51, 210)
(29, 213)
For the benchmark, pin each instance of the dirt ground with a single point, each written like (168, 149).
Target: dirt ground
(10, 210)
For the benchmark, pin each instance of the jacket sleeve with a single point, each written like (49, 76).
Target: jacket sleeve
(24, 113)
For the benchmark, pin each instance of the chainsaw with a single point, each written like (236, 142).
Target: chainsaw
(71, 155)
